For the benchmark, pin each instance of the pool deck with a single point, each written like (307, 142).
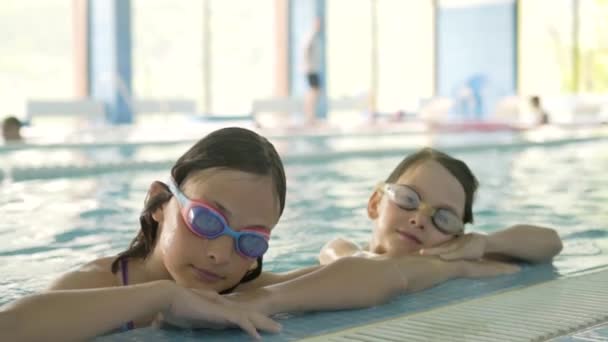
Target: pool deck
(536, 304)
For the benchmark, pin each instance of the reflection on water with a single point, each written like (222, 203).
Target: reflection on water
(51, 226)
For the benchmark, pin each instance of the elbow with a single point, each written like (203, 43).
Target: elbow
(553, 245)
(551, 242)
(557, 244)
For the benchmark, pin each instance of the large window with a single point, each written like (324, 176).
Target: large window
(217, 52)
(593, 46)
(167, 49)
(35, 53)
(546, 62)
(348, 47)
(564, 50)
(405, 53)
(242, 54)
(400, 69)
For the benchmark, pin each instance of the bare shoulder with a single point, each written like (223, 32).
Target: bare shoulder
(97, 273)
(342, 244)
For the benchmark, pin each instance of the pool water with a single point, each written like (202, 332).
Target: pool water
(50, 226)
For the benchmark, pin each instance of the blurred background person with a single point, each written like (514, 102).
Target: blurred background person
(312, 68)
(540, 114)
(11, 129)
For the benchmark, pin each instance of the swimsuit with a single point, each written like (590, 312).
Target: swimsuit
(125, 281)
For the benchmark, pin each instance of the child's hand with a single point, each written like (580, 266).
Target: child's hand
(256, 300)
(192, 308)
(471, 246)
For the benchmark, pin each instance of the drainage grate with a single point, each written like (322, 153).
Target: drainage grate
(535, 313)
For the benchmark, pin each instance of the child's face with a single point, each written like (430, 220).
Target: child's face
(398, 231)
(245, 200)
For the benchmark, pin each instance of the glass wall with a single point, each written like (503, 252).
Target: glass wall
(593, 46)
(348, 48)
(401, 67)
(563, 55)
(167, 55)
(405, 53)
(546, 61)
(169, 59)
(225, 57)
(35, 53)
(242, 54)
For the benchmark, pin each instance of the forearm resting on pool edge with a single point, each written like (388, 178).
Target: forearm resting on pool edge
(352, 282)
(69, 315)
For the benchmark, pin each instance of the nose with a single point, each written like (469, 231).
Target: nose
(419, 220)
(220, 250)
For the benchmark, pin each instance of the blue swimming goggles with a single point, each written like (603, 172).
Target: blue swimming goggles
(445, 220)
(207, 222)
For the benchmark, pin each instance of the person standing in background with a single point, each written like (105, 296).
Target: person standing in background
(312, 68)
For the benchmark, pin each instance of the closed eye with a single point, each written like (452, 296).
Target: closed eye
(407, 203)
(442, 217)
(404, 207)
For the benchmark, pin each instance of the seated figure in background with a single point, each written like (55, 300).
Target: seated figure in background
(11, 129)
(542, 117)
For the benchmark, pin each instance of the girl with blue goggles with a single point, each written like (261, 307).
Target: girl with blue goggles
(208, 223)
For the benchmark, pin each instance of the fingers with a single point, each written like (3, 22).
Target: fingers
(252, 322)
(507, 268)
(265, 323)
(249, 328)
(432, 251)
(447, 247)
(502, 270)
(216, 311)
(467, 247)
(451, 256)
(441, 250)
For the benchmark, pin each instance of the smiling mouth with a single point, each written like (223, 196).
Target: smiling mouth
(206, 276)
(409, 237)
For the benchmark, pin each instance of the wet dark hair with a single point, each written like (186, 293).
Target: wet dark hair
(231, 148)
(535, 101)
(8, 124)
(11, 121)
(456, 167)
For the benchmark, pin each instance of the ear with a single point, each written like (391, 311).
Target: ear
(156, 188)
(373, 205)
(253, 265)
(157, 215)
